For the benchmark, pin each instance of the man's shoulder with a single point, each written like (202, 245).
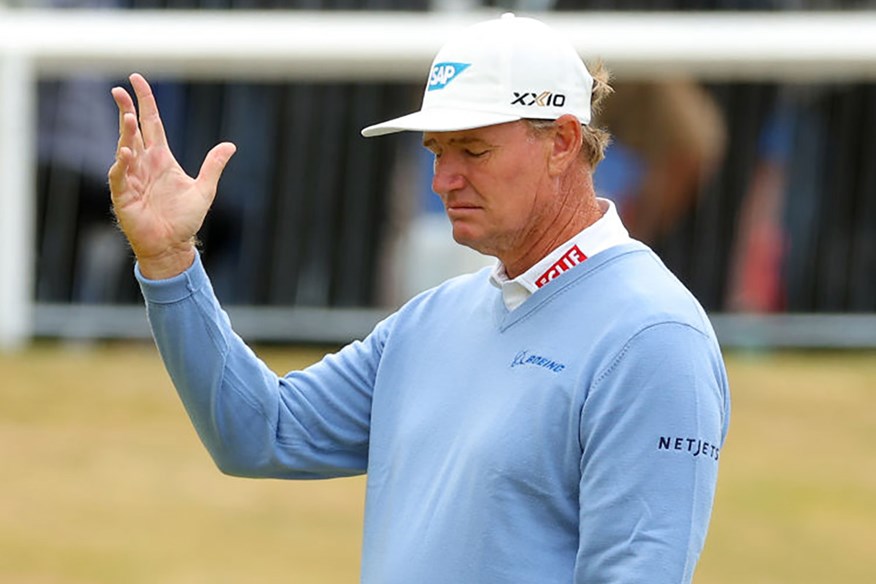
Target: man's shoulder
(632, 288)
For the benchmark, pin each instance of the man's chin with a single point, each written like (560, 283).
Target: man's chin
(466, 238)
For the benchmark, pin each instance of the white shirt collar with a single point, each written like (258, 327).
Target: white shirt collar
(608, 231)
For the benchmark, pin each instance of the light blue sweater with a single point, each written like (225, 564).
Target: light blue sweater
(575, 439)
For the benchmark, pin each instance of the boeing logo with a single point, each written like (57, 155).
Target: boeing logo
(527, 358)
(444, 73)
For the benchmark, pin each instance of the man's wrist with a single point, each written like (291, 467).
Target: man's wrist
(167, 265)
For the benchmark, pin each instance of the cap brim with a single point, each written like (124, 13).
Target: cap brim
(439, 120)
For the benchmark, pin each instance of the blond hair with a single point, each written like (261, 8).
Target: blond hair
(594, 140)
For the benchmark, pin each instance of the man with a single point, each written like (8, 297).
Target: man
(556, 420)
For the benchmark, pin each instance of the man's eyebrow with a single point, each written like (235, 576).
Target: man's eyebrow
(464, 140)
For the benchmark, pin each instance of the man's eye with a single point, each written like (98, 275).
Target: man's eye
(476, 153)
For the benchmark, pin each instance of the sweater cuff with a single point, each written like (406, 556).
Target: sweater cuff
(176, 288)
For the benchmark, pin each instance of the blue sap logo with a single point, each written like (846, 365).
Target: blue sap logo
(444, 73)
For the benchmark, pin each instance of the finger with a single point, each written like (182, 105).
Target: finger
(118, 172)
(150, 121)
(123, 102)
(214, 164)
(128, 129)
(129, 135)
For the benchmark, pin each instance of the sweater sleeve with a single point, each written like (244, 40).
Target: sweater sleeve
(651, 430)
(312, 423)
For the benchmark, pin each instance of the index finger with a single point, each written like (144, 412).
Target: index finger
(150, 122)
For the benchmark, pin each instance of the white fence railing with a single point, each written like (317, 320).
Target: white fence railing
(380, 46)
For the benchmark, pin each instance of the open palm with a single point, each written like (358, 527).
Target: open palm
(158, 206)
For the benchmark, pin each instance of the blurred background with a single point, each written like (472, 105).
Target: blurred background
(755, 183)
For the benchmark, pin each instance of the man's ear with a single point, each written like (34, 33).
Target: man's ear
(566, 144)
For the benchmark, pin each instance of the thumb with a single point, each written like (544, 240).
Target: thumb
(214, 164)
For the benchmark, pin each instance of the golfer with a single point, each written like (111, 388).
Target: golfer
(558, 418)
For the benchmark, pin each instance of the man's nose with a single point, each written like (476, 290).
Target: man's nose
(447, 176)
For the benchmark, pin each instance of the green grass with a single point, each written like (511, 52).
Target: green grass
(797, 489)
(104, 480)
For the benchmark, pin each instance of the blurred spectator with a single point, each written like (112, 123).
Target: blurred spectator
(806, 237)
(761, 243)
(669, 138)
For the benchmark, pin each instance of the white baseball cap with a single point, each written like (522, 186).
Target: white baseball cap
(498, 71)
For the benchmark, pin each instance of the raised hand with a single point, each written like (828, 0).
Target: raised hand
(158, 206)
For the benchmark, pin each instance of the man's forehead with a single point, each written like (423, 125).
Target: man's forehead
(483, 135)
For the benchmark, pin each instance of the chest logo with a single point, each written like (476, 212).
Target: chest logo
(525, 358)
